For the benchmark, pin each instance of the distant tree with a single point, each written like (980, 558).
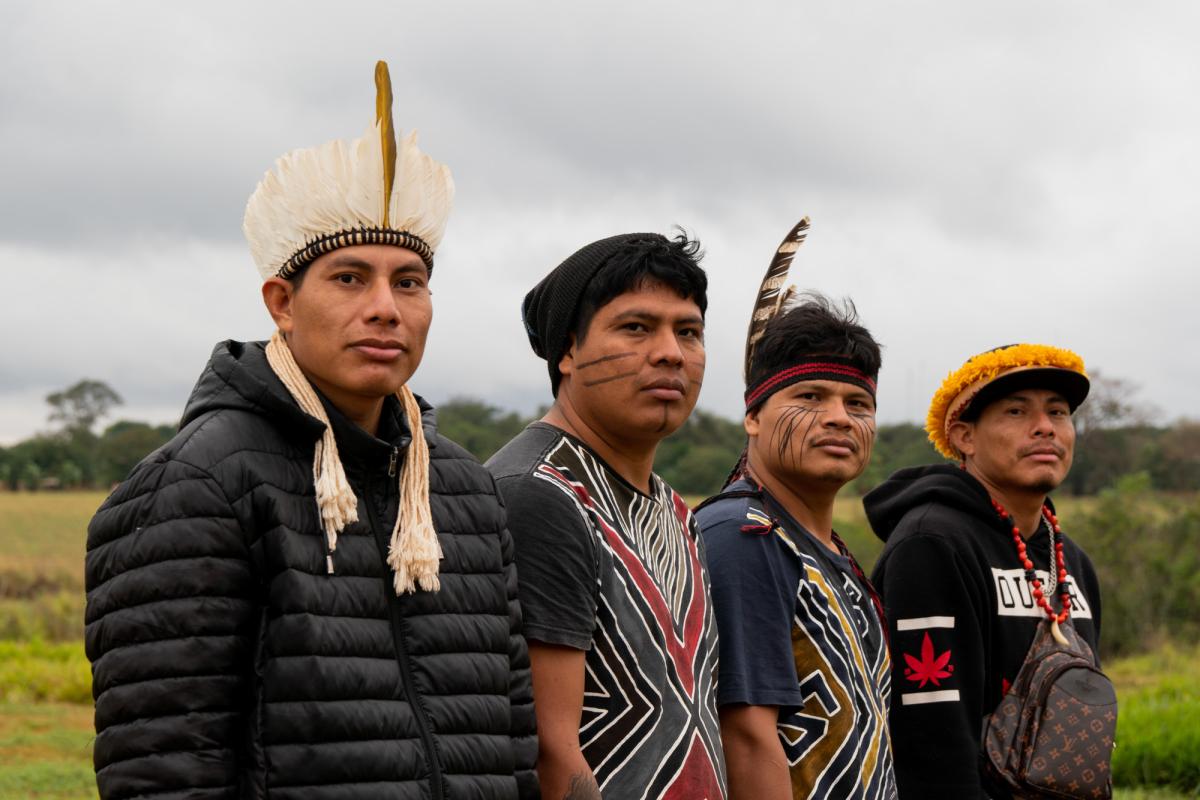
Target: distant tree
(896, 446)
(699, 471)
(1110, 404)
(46, 452)
(30, 476)
(123, 444)
(1173, 458)
(481, 428)
(696, 459)
(1146, 550)
(78, 407)
(1111, 431)
(69, 475)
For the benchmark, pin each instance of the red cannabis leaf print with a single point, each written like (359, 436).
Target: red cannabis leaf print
(928, 669)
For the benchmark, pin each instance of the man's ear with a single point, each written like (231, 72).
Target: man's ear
(566, 364)
(278, 294)
(962, 438)
(750, 422)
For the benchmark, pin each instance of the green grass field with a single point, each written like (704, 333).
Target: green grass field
(45, 688)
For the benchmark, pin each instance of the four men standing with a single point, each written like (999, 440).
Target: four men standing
(310, 593)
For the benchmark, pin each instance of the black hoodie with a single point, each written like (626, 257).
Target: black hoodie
(961, 620)
(227, 662)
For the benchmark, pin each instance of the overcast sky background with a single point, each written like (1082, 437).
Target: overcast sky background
(976, 173)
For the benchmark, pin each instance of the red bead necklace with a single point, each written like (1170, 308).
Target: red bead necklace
(1064, 589)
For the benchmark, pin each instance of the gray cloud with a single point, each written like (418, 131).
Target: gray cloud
(976, 174)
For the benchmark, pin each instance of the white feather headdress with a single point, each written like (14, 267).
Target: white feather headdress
(345, 193)
(333, 196)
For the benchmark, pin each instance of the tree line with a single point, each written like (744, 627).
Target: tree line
(1143, 537)
(1115, 439)
(71, 455)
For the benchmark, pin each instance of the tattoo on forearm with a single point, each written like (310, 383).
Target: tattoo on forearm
(582, 787)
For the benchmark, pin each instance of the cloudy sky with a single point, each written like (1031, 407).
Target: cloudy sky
(976, 173)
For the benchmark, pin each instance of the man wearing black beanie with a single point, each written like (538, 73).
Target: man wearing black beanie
(612, 583)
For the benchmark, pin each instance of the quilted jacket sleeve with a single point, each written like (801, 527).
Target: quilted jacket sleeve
(170, 614)
(520, 691)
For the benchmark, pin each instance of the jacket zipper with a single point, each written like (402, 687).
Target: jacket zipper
(436, 790)
(392, 462)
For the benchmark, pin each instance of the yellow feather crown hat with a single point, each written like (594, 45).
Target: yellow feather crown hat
(1035, 363)
(339, 194)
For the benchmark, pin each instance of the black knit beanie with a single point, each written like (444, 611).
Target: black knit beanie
(551, 308)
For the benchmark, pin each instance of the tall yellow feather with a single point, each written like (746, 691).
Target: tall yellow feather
(387, 133)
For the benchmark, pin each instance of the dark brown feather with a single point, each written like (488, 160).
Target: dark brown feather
(771, 292)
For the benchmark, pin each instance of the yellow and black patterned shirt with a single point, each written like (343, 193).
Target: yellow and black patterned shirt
(798, 630)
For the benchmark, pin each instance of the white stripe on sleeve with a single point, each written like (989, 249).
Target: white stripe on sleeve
(920, 698)
(921, 623)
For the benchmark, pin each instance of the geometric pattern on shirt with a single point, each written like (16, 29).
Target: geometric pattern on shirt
(837, 743)
(649, 726)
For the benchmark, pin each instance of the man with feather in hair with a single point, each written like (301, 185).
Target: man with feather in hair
(804, 671)
(309, 593)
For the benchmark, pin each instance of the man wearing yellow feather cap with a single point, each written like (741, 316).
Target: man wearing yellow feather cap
(976, 574)
(309, 592)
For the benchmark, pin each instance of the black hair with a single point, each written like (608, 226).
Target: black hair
(297, 277)
(815, 326)
(674, 263)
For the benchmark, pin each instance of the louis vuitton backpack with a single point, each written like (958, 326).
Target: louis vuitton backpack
(1052, 735)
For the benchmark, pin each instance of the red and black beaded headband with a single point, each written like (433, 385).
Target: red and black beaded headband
(818, 368)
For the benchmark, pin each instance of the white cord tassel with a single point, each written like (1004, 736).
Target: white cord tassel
(336, 502)
(414, 551)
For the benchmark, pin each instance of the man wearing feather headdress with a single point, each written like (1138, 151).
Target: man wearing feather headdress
(621, 635)
(804, 669)
(974, 561)
(309, 593)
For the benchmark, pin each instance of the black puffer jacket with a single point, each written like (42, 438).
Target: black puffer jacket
(227, 663)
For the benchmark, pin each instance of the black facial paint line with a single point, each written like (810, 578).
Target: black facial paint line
(599, 381)
(663, 426)
(602, 359)
(865, 423)
(796, 462)
(785, 429)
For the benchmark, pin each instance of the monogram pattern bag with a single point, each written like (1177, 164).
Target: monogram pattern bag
(1052, 735)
